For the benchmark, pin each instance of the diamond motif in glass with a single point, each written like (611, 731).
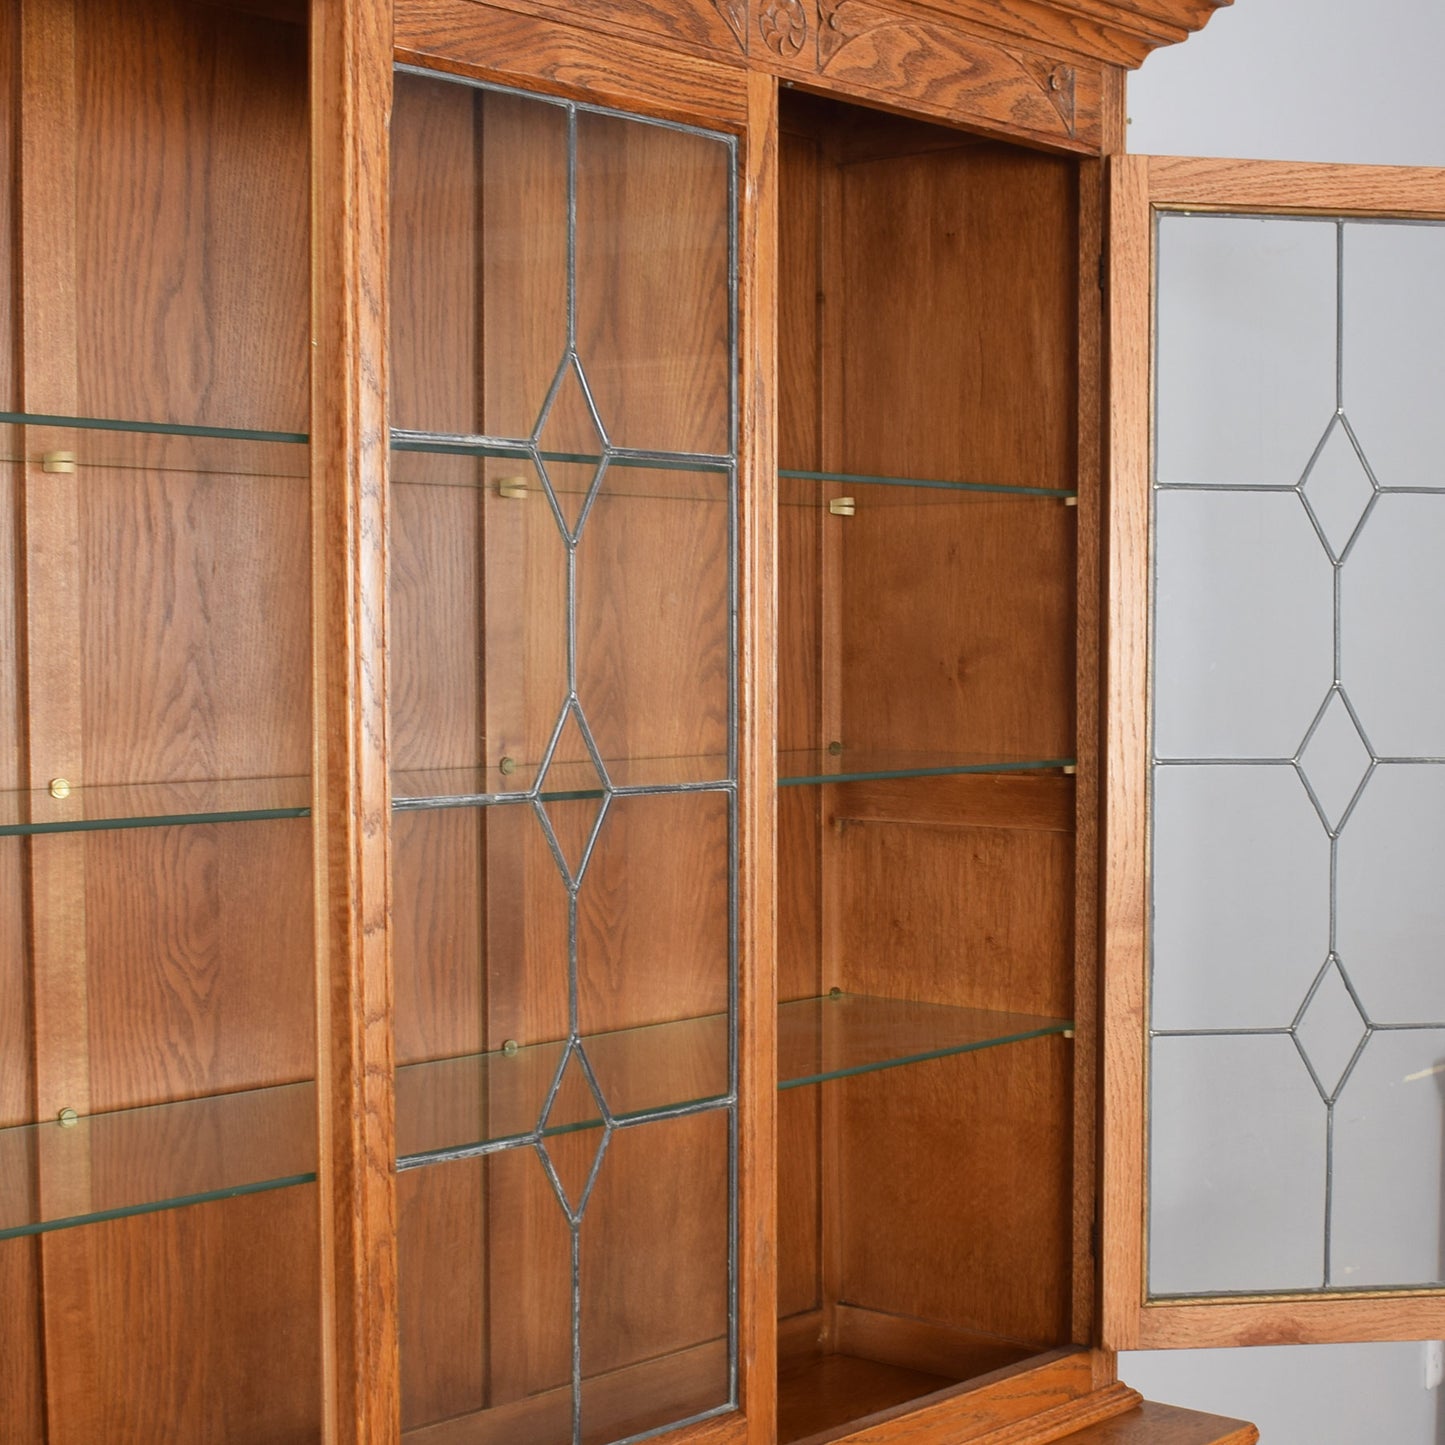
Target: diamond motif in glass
(1329, 1029)
(570, 441)
(1334, 760)
(573, 797)
(1337, 487)
(573, 1133)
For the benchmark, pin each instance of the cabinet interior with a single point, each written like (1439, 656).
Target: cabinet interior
(927, 370)
(927, 338)
(157, 986)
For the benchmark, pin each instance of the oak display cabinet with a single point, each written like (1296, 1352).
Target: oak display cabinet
(576, 862)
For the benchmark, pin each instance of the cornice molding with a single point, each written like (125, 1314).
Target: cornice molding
(1117, 32)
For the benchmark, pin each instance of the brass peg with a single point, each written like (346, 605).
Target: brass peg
(843, 506)
(1071, 501)
(511, 486)
(57, 462)
(835, 748)
(1070, 769)
(67, 1118)
(60, 787)
(509, 1047)
(508, 766)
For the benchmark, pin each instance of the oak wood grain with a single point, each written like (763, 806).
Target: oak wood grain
(652, 918)
(187, 115)
(1198, 183)
(1036, 1401)
(438, 941)
(542, 54)
(1088, 729)
(10, 88)
(1151, 1424)
(48, 558)
(1126, 742)
(757, 685)
(434, 333)
(975, 917)
(1120, 34)
(1301, 1320)
(441, 1294)
(712, 28)
(652, 283)
(545, 1418)
(198, 951)
(918, 59)
(226, 1293)
(22, 1378)
(974, 1150)
(818, 1396)
(1042, 803)
(350, 102)
(202, 673)
(15, 1021)
(955, 1353)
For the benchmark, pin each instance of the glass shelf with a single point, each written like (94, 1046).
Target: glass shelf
(140, 1161)
(864, 765)
(485, 1102)
(483, 787)
(846, 1034)
(153, 805)
(864, 479)
(463, 1105)
(116, 444)
(514, 449)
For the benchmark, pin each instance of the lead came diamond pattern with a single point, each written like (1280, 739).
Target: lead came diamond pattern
(571, 445)
(1337, 488)
(575, 1126)
(1334, 761)
(1330, 1029)
(1337, 765)
(572, 795)
(565, 461)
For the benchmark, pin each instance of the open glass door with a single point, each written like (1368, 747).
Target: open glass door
(1275, 1001)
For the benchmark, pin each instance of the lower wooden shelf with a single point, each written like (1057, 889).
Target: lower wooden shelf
(817, 1397)
(873, 1366)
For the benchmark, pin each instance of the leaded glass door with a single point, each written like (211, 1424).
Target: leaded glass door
(563, 588)
(1276, 1014)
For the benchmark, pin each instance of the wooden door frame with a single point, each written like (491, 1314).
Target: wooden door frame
(1140, 186)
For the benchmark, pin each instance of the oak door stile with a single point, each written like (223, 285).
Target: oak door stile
(350, 102)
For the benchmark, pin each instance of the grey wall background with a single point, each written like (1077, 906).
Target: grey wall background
(1326, 80)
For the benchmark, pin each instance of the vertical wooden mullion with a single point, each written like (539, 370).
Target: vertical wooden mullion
(350, 102)
(757, 765)
(1126, 738)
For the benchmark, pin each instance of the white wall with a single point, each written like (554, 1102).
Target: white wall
(1327, 80)
(1300, 80)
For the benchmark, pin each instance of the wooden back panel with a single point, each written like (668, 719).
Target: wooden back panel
(190, 117)
(926, 330)
(173, 961)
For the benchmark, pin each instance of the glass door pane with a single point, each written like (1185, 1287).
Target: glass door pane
(1296, 1014)
(562, 592)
